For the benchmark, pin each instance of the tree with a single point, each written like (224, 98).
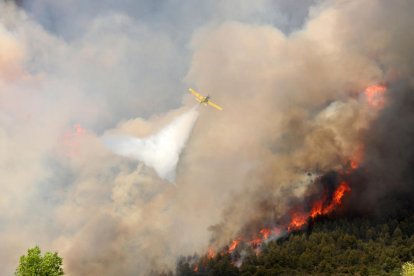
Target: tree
(34, 264)
(343, 246)
(408, 269)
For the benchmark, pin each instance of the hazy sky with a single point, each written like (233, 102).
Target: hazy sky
(289, 75)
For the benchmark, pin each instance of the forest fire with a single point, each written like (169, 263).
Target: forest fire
(340, 192)
(325, 199)
(299, 218)
(320, 207)
(233, 245)
(323, 203)
(264, 235)
(211, 253)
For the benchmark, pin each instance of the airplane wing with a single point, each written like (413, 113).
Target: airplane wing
(215, 105)
(198, 96)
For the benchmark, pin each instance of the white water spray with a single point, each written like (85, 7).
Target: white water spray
(161, 150)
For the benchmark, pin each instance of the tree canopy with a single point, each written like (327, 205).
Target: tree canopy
(34, 264)
(353, 246)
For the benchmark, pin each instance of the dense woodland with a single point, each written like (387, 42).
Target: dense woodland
(351, 246)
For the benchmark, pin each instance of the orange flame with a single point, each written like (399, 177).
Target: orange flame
(317, 209)
(298, 219)
(340, 192)
(375, 95)
(233, 245)
(353, 164)
(256, 242)
(265, 234)
(211, 253)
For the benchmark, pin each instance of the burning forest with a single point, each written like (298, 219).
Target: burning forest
(292, 153)
(332, 202)
(325, 196)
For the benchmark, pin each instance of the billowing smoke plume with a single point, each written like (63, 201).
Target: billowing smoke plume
(291, 74)
(161, 150)
(384, 185)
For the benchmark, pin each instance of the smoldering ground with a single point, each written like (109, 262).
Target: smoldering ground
(293, 104)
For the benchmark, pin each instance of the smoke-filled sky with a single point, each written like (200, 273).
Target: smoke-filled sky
(289, 75)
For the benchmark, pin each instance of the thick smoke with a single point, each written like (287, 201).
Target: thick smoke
(294, 104)
(384, 186)
(161, 150)
(315, 124)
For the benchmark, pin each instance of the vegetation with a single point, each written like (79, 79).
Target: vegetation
(408, 269)
(341, 247)
(34, 264)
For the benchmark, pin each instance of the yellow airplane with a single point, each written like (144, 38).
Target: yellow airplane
(204, 100)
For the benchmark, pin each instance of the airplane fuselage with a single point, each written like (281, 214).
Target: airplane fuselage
(205, 100)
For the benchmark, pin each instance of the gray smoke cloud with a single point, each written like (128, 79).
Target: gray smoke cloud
(161, 150)
(290, 75)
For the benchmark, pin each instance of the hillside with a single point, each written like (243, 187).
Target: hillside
(354, 246)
